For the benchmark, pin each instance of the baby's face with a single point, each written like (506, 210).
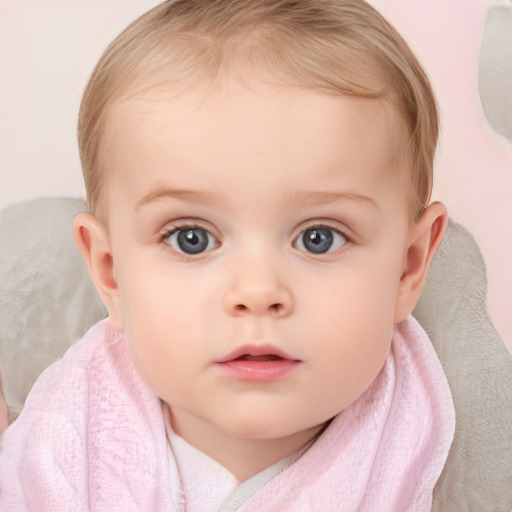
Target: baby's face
(258, 239)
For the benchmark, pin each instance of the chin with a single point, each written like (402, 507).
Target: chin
(267, 427)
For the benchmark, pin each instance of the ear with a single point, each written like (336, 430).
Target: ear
(91, 237)
(425, 235)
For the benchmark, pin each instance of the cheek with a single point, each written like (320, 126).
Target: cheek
(153, 298)
(352, 351)
(350, 324)
(160, 324)
(355, 335)
(360, 296)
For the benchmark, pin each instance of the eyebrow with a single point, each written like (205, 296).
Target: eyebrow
(324, 197)
(304, 198)
(159, 193)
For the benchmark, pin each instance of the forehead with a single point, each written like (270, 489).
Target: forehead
(195, 134)
(259, 105)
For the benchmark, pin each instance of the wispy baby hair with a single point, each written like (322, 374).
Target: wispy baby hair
(332, 46)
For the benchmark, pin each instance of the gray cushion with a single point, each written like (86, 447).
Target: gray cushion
(478, 366)
(47, 299)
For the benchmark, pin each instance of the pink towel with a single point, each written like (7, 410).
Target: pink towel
(92, 437)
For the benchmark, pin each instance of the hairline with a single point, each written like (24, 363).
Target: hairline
(225, 58)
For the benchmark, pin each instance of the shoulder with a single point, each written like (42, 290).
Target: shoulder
(45, 448)
(61, 395)
(73, 431)
(67, 382)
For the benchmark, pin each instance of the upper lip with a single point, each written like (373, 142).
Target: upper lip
(255, 351)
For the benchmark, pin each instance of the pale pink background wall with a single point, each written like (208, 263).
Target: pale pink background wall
(48, 48)
(474, 164)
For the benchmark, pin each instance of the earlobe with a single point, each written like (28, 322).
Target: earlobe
(425, 235)
(91, 238)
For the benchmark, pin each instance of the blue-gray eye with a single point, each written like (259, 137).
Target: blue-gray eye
(191, 240)
(320, 240)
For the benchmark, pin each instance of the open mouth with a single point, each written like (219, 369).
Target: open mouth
(267, 357)
(257, 353)
(258, 364)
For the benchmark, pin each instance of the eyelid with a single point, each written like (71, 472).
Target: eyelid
(322, 224)
(178, 225)
(188, 223)
(327, 224)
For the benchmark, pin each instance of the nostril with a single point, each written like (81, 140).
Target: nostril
(258, 304)
(275, 308)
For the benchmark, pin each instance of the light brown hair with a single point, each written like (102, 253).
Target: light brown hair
(333, 46)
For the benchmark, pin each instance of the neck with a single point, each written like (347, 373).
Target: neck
(242, 457)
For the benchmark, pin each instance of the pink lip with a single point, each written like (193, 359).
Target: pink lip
(257, 363)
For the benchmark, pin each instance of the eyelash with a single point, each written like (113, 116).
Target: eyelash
(166, 235)
(322, 226)
(174, 229)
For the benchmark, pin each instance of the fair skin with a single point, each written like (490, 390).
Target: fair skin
(301, 245)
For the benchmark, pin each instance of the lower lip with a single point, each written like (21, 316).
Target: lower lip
(258, 371)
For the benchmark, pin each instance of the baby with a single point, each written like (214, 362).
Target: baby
(259, 174)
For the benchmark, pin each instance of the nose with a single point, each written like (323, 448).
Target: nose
(258, 289)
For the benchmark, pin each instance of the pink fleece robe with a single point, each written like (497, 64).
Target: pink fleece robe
(92, 437)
